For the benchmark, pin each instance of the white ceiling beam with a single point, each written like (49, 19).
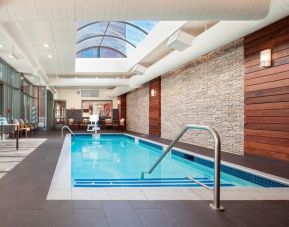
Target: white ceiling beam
(89, 82)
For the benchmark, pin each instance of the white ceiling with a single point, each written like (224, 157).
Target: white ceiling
(82, 10)
(29, 24)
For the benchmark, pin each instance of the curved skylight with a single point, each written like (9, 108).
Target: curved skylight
(110, 39)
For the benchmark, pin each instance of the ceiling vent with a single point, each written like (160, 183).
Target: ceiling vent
(180, 40)
(139, 69)
(93, 93)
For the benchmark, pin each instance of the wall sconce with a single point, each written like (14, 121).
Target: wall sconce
(153, 92)
(118, 102)
(265, 58)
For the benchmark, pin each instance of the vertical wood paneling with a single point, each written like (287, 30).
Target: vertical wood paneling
(155, 107)
(267, 92)
(121, 101)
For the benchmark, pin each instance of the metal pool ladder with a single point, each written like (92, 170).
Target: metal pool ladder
(216, 190)
(65, 126)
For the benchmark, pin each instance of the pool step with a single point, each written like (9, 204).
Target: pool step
(147, 182)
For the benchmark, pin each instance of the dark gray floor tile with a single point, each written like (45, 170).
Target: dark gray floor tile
(80, 204)
(154, 218)
(89, 217)
(144, 204)
(120, 214)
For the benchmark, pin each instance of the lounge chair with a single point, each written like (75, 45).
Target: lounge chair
(22, 127)
(108, 123)
(33, 126)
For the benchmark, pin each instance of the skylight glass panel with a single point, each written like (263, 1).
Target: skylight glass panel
(111, 39)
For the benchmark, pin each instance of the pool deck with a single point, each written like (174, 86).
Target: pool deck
(24, 189)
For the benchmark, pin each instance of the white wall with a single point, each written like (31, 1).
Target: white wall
(73, 100)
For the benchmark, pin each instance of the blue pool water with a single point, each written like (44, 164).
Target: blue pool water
(117, 161)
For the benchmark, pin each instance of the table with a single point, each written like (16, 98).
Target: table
(17, 132)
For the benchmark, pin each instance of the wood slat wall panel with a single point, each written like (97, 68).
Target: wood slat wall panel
(266, 99)
(270, 127)
(122, 106)
(273, 134)
(280, 37)
(269, 71)
(269, 120)
(264, 31)
(263, 86)
(268, 106)
(275, 55)
(155, 108)
(271, 154)
(267, 113)
(267, 92)
(266, 79)
(268, 140)
(267, 147)
(276, 62)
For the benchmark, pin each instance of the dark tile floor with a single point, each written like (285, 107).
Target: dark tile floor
(23, 203)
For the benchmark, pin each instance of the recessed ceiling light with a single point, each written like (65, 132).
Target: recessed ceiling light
(12, 56)
(96, 77)
(49, 56)
(1, 45)
(75, 78)
(45, 45)
(21, 77)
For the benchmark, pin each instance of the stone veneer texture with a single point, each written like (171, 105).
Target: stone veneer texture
(208, 91)
(137, 112)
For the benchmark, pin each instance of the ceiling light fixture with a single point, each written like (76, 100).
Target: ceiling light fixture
(1, 45)
(12, 55)
(45, 45)
(49, 56)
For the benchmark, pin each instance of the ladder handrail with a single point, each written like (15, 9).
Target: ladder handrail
(65, 126)
(217, 159)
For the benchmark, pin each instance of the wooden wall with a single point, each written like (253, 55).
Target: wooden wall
(121, 102)
(267, 92)
(155, 107)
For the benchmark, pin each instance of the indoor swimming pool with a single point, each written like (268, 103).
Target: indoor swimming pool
(117, 160)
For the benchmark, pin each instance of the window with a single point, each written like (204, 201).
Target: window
(110, 39)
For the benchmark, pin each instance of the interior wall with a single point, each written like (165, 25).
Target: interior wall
(155, 107)
(207, 91)
(137, 110)
(122, 106)
(73, 100)
(267, 92)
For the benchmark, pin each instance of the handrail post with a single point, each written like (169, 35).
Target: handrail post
(217, 172)
(65, 126)
(217, 160)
